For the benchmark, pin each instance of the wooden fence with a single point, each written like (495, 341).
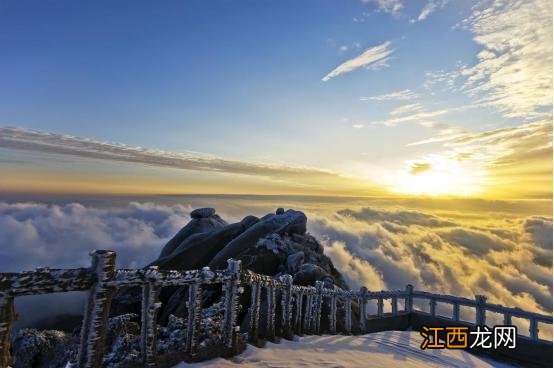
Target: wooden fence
(301, 306)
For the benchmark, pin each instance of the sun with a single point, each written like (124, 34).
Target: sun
(436, 177)
(428, 183)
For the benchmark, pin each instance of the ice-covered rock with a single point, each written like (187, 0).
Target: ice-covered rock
(274, 244)
(294, 262)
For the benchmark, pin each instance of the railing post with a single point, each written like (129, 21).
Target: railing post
(318, 304)
(507, 318)
(394, 305)
(270, 313)
(333, 315)
(433, 307)
(286, 306)
(308, 314)
(480, 314)
(380, 307)
(363, 308)
(456, 312)
(95, 319)
(533, 329)
(148, 327)
(347, 316)
(231, 293)
(409, 301)
(7, 317)
(254, 312)
(298, 313)
(194, 315)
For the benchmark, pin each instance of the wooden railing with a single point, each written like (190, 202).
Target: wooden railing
(301, 306)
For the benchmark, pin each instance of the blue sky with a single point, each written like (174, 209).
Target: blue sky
(172, 76)
(243, 79)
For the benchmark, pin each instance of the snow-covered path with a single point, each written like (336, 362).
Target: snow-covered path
(384, 349)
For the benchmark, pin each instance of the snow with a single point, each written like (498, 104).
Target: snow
(384, 349)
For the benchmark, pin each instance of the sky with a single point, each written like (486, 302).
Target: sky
(358, 98)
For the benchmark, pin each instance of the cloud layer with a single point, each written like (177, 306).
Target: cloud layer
(506, 258)
(33, 234)
(510, 262)
(373, 58)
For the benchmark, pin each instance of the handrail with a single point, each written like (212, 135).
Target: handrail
(301, 306)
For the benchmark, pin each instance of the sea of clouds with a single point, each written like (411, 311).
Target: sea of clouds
(507, 258)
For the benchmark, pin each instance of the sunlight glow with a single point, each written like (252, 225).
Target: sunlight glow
(437, 176)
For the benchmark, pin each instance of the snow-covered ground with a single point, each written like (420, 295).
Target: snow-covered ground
(384, 349)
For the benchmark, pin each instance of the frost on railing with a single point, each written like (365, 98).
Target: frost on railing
(301, 307)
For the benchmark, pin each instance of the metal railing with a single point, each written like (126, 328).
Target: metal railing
(301, 307)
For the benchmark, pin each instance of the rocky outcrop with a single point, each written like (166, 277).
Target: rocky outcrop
(289, 222)
(197, 250)
(273, 245)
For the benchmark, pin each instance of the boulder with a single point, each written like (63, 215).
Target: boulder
(201, 213)
(198, 250)
(289, 222)
(263, 261)
(274, 243)
(294, 262)
(310, 273)
(203, 220)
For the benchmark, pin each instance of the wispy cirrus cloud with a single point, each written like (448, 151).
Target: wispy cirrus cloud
(387, 6)
(395, 7)
(409, 108)
(513, 72)
(421, 117)
(405, 94)
(52, 143)
(430, 7)
(373, 58)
